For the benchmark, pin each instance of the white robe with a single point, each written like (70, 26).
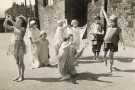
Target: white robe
(34, 34)
(58, 39)
(77, 33)
(44, 52)
(66, 60)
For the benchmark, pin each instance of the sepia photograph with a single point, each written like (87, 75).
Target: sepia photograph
(67, 44)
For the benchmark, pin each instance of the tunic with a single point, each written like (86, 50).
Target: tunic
(44, 52)
(17, 46)
(65, 60)
(58, 38)
(34, 34)
(77, 36)
(112, 35)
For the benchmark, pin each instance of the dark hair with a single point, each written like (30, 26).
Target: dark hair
(24, 23)
(65, 39)
(70, 35)
(97, 17)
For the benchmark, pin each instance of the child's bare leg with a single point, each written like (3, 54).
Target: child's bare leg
(18, 67)
(111, 60)
(22, 67)
(94, 55)
(97, 55)
(94, 52)
(105, 58)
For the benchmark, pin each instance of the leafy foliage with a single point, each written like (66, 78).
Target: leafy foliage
(17, 10)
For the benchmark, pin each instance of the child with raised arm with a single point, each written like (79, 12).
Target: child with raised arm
(58, 37)
(98, 34)
(77, 33)
(34, 35)
(66, 59)
(18, 48)
(112, 37)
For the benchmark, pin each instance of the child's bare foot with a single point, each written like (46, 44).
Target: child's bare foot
(16, 78)
(111, 69)
(20, 79)
(35, 67)
(65, 78)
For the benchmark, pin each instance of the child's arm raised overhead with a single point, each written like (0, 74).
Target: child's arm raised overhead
(6, 25)
(28, 24)
(11, 20)
(105, 15)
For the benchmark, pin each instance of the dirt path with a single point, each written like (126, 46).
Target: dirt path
(93, 75)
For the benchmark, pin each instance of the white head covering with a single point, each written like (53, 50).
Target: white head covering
(32, 22)
(74, 21)
(42, 33)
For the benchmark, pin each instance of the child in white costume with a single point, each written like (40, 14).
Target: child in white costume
(58, 39)
(66, 59)
(59, 35)
(77, 33)
(44, 49)
(34, 35)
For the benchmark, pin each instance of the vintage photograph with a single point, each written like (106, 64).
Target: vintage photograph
(67, 44)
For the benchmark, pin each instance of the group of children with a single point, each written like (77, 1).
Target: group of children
(67, 43)
(67, 47)
(109, 37)
(39, 45)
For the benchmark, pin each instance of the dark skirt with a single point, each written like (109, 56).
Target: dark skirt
(97, 43)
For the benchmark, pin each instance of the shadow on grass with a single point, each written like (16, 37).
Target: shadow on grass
(122, 70)
(93, 77)
(85, 60)
(44, 79)
(124, 59)
(88, 61)
(80, 76)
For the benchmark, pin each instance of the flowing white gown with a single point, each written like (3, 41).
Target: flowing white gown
(34, 48)
(77, 33)
(58, 39)
(66, 60)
